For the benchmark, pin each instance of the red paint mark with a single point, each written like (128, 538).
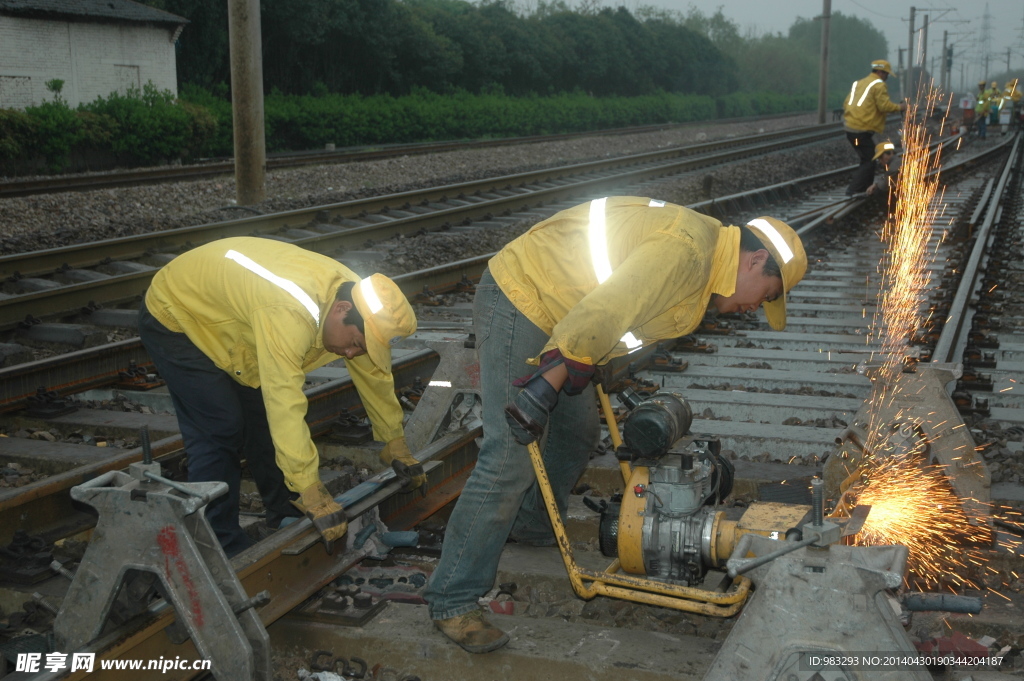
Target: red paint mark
(167, 538)
(473, 372)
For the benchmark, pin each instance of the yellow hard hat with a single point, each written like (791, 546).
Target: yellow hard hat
(881, 65)
(785, 246)
(995, 84)
(883, 147)
(387, 317)
(981, 83)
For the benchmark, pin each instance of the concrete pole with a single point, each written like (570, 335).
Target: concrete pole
(247, 100)
(945, 59)
(924, 44)
(905, 83)
(826, 15)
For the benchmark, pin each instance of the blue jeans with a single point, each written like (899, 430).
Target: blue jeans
(501, 495)
(221, 423)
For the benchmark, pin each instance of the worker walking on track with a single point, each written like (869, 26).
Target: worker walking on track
(233, 327)
(864, 111)
(981, 109)
(588, 284)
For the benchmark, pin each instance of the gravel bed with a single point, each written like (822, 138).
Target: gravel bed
(50, 220)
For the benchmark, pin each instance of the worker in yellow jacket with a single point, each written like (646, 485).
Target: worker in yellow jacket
(588, 284)
(995, 97)
(864, 112)
(233, 327)
(1008, 105)
(982, 108)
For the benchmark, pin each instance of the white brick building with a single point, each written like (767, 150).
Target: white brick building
(95, 46)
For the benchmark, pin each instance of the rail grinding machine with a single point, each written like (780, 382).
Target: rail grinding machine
(674, 547)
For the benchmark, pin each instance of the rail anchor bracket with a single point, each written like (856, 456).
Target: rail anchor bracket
(147, 526)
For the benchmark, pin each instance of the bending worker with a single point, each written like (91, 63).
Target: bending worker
(233, 327)
(864, 112)
(588, 284)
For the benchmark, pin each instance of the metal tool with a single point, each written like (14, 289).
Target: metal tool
(150, 524)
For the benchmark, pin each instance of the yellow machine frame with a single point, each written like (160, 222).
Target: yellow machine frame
(612, 581)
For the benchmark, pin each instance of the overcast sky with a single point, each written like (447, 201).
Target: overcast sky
(966, 19)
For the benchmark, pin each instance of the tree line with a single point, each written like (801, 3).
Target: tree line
(396, 47)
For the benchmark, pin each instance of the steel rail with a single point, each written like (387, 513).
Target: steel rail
(953, 337)
(66, 377)
(44, 507)
(122, 288)
(94, 253)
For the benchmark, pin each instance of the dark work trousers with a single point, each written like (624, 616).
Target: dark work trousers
(221, 423)
(864, 144)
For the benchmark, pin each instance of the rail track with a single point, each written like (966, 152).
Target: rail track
(217, 167)
(44, 284)
(769, 397)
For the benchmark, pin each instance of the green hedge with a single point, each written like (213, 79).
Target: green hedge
(153, 126)
(296, 122)
(138, 128)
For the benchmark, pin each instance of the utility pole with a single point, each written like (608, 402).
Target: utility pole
(924, 44)
(1007, 58)
(945, 62)
(826, 15)
(247, 100)
(986, 38)
(905, 82)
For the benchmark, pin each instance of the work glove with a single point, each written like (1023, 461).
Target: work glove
(326, 514)
(397, 455)
(528, 413)
(580, 374)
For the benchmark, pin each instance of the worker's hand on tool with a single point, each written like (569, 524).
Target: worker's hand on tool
(870, 190)
(527, 414)
(397, 455)
(572, 378)
(326, 514)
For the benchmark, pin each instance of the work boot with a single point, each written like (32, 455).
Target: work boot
(473, 632)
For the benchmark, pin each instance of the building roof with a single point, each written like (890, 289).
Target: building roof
(90, 10)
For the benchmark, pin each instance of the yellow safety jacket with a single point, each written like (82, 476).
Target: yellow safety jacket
(255, 307)
(984, 103)
(608, 276)
(864, 109)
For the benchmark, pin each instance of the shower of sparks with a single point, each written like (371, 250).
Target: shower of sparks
(916, 507)
(907, 234)
(910, 504)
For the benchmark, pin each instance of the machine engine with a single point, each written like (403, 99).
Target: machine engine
(666, 526)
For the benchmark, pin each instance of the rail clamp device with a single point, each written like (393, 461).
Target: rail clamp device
(452, 397)
(149, 525)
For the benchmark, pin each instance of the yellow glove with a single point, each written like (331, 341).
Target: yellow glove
(397, 455)
(327, 515)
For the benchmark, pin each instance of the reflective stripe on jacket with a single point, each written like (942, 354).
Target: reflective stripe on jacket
(866, 105)
(255, 307)
(663, 263)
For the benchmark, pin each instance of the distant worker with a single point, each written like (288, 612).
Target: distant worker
(981, 109)
(995, 96)
(885, 184)
(593, 282)
(864, 114)
(967, 103)
(233, 326)
(889, 164)
(1008, 103)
